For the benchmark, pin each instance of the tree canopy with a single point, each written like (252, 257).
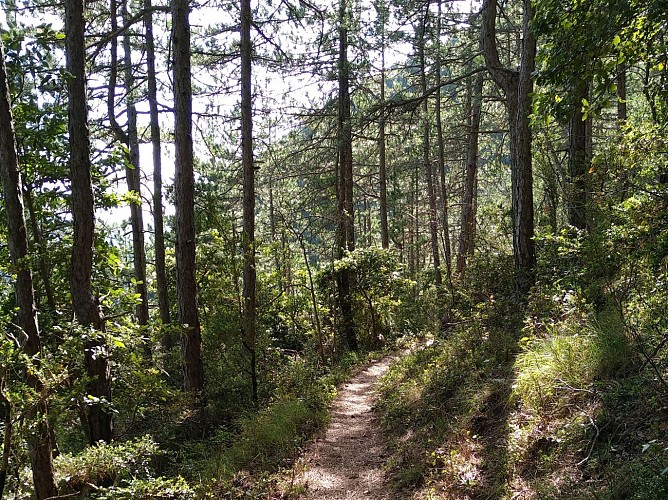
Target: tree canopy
(213, 211)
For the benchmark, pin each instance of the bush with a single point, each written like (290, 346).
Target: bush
(106, 464)
(378, 289)
(149, 489)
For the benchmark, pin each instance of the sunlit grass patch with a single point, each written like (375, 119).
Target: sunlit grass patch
(564, 363)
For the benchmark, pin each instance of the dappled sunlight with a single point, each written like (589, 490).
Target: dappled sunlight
(347, 461)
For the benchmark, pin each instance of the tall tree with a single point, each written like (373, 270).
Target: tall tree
(86, 310)
(382, 11)
(467, 230)
(184, 188)
(40, 244)
(622, 113)
(517, 86)
(248, 238)
(133, 178)
(426, 151)
(130, 139)
(39, 440)
(158, 220)
(345, 218)
(445, 222)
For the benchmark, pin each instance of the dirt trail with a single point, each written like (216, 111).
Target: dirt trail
(347, 461)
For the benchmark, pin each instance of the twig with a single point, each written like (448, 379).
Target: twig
(663, 342)
(88, 487)
(593, 441)
(569, 387)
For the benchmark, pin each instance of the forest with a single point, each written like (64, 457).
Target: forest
(228, 229)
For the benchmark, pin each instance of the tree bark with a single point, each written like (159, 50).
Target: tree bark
(622, 113)
(426, 154)
(384, 227)
(158, 220)
(133, 178)
(346, 232)
(622, 116)
(467, 231)
(132, 172)
(248, 237)
(184, 187)
(39, 438)
(86, 310)
(314, 300)
(7, 437)
(445, 222)
(38, 239)
(382, 156)
(517, 85)
(577, 165)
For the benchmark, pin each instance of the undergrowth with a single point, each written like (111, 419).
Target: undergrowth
(241, 459)
(552, 399)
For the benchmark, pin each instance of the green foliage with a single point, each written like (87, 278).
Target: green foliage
(477, 404)
(568, 355)
(578, 51)
(149, 489)
(267, 438)
(643, 478)
(439, 399)
(379, 290)
(106, 465)
(581, 47)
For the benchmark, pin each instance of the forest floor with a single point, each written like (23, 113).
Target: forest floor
(346, 461)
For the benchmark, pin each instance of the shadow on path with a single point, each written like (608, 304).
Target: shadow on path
(347, 461)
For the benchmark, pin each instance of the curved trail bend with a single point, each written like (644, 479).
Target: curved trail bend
(347, 461)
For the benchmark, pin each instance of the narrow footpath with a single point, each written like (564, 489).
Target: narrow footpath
(347, 461)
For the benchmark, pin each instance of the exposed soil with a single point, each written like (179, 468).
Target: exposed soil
(346, 462)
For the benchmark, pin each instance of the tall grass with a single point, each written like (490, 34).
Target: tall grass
(573, 353)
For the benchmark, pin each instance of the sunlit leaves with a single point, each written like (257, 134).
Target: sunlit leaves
(592, 40)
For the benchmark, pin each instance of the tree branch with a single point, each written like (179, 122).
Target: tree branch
(99, 45)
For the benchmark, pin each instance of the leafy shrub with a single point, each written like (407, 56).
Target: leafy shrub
(106, 464)
(378, 288)
(149, 489)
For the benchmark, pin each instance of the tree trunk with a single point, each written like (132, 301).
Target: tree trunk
(382, 156)
(133, 178)
(184, 187)
(577, 165)
(39, 438)
(278, 250)
(426, 153)
(517, 85)
(7, 436)
(45, 275)
(467, 231)
(445, 222)
(346, 233)
(622, 113)
(622, 116)
(86, 310)
(314, 301)
(158, 222)
(414, 239)
(248, 237)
